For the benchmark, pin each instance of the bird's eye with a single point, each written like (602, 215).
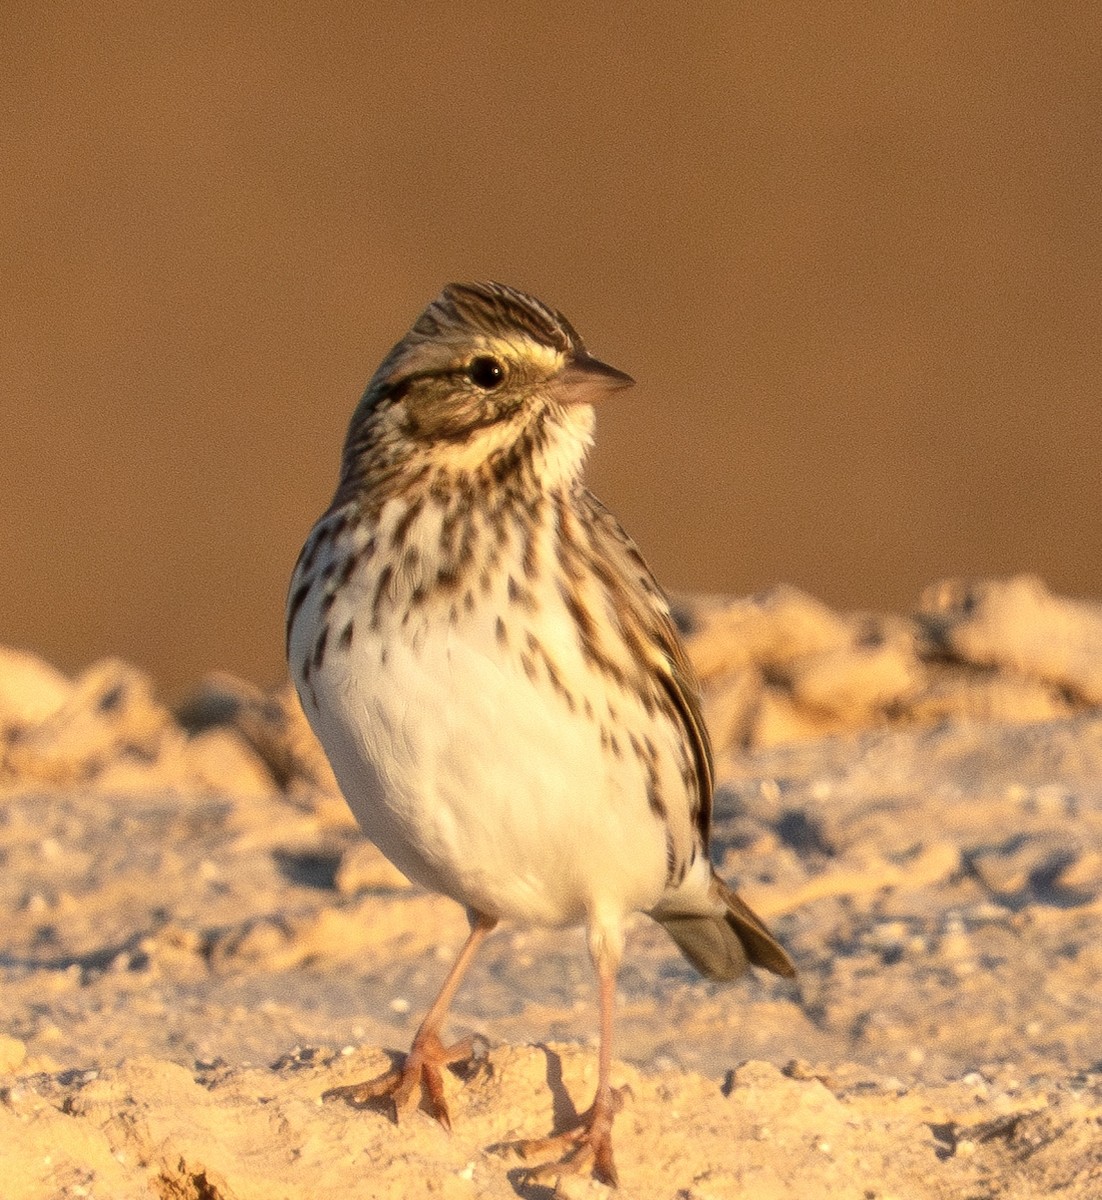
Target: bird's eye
(485, 372)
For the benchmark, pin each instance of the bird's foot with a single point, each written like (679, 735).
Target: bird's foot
(418, 1074)
(584, 1148)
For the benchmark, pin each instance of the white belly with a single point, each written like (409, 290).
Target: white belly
(478, 785)
(478, 781)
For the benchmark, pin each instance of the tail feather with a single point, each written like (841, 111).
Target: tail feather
(721, 946)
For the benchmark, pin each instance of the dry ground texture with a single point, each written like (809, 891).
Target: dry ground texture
(197, 945)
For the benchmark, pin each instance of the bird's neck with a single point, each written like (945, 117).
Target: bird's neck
(496, 466)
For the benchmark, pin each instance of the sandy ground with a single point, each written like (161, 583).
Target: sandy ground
(197, 944)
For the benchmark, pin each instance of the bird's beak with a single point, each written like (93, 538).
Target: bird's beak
(585, 380)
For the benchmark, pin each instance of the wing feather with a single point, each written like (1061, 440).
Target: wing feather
(644, 612)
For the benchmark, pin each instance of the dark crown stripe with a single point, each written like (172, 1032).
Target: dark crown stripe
(497, 310)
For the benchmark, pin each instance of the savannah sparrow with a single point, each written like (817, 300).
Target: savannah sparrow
(494, 674)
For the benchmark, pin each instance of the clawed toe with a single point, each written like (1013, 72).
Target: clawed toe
(363, 1093)
(418, 1074)
(584, 1148)
(581, 1153)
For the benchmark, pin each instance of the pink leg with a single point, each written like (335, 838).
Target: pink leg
(427, 1055)
(587, 1146)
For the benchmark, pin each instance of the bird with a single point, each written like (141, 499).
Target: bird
(497, 680)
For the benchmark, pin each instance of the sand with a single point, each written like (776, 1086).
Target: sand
(198, 944)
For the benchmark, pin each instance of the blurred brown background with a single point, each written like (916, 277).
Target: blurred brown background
(851, 253)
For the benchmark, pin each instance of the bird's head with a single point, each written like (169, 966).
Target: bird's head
(486, 372)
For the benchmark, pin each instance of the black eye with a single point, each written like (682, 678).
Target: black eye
(485, 372)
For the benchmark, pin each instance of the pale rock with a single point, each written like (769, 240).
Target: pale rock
(363, 867)
(221, 760)
(31, 690)
(13, 1054)
(1020, 625)
(110, 712)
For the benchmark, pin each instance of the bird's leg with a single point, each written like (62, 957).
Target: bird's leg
(587, 1145)
(421, 1066)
